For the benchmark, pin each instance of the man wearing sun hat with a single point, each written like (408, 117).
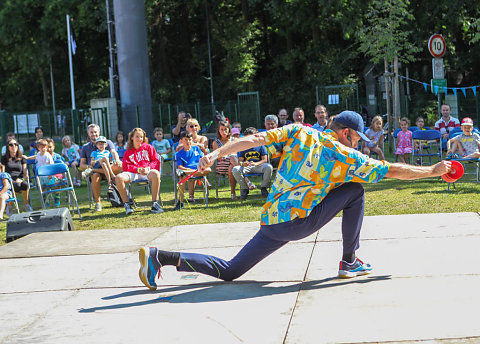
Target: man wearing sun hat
(320, 174)
(467, 144)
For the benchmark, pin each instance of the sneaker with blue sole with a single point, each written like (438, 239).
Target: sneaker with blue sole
(357, 268)
(147, 270)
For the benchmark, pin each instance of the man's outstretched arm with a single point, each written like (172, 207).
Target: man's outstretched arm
(239, 145)
(410, 172)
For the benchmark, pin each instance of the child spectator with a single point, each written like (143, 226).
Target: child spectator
(375, 134)
(100, 158)
(120, 141)
(234, 158)
(237, 125)
(38, 136)
(197, 140)
(15, 164)
(5, 192)
(253, 160)
(465, 145)
(51, 149)
(44, 157)
(140, 163)
(404, 141)
(71, 152)
(161, 145)
(225, 164)
(236, 134)
(187, 161)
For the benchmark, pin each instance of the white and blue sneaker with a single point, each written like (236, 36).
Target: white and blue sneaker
(147, 270)
(357, 268)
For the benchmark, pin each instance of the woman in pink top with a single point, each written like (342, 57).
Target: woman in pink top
(140, 162)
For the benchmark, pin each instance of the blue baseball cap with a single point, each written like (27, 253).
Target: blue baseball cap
(352, 120)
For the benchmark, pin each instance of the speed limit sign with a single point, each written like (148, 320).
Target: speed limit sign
(436, 46)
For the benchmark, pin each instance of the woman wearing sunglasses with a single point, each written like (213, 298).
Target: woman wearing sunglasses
(198, 140)
(15, 164)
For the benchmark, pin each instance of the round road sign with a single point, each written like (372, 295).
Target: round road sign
(436, 45)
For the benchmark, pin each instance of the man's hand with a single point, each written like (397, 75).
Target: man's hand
(442, 167)
(207, 160)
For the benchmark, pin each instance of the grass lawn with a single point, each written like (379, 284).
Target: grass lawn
(388, 197)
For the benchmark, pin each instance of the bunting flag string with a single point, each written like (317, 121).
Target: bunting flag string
(445, 89)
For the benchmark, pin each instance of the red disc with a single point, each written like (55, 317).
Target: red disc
(455, 174)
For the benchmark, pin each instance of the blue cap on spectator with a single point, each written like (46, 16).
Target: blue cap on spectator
(352, 120)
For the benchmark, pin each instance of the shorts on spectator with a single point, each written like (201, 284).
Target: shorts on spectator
(23, 186)
(135, 177)
(69, 163)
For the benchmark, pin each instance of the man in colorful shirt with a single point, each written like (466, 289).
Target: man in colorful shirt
(446, 123)
(320, 174)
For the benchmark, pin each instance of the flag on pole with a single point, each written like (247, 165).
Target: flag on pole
(72, 42)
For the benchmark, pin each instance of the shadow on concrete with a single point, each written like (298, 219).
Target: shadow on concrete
(225, 291)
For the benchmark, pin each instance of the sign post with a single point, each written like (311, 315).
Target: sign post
(437, 47)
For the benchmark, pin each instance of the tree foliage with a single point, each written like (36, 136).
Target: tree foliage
(282, 48)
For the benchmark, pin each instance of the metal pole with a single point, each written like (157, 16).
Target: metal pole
(397, 91)
(70, 62)
(387, 98)
(110, 49)
(210, 59)
(53, 89)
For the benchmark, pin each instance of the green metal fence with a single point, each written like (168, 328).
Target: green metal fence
(54, 125)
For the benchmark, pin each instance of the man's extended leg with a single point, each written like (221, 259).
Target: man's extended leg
(348, 197)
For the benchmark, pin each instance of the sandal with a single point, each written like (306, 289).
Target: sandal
(251, 186)
(234, 197)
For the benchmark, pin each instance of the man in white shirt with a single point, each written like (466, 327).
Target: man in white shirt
(321, 115)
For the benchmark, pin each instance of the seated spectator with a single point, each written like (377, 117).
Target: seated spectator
(187, 162)
(446, 123)
(253, 160)
(10, 136)
(181, 126)
(5, 192)
(161, 145)
(38, 136)
(15, 164)
(140, 163)
(299, 117)
(51, 149)
(71, 153)
(120, 143)
(283, 118)
(375, 134)
(465, 145)
(43, 157)
(321, 115)
(102, 159)
(96, 175)
(236, 125)
(224, 165)
(271, 122)
(197, 140)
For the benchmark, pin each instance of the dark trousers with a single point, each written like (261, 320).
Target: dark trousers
(349, 197)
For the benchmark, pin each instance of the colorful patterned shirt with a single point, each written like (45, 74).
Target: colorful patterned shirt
(312, 164)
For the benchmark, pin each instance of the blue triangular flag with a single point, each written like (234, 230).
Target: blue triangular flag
(436, 89)
(474, 89)
(445, 90)
(464, 91)
(455, 91)
(425, 86)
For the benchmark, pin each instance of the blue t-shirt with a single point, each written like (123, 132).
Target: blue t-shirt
(5, 175)
(97, 155)
(161, 146)
(253, 154)
(189, 159)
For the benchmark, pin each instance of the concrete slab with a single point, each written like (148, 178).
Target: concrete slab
(49, 244)
(213, 313)
(423, 287)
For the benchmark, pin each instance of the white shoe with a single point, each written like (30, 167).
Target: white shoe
(128, 209)
(98, 206)
(87, 173)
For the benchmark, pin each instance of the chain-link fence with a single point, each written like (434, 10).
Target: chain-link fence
(54, 125)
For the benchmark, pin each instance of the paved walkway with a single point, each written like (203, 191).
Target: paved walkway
(83, 287)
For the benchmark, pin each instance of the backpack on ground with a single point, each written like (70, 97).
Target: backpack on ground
(113, 196)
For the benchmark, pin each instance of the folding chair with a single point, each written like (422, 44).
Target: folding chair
(433, 140)
(63, 185)
(14, 196)
(203, 180)
(139, 183)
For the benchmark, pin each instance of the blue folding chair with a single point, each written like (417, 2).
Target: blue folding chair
(430, 147)
(13, 198)
(64, 184)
